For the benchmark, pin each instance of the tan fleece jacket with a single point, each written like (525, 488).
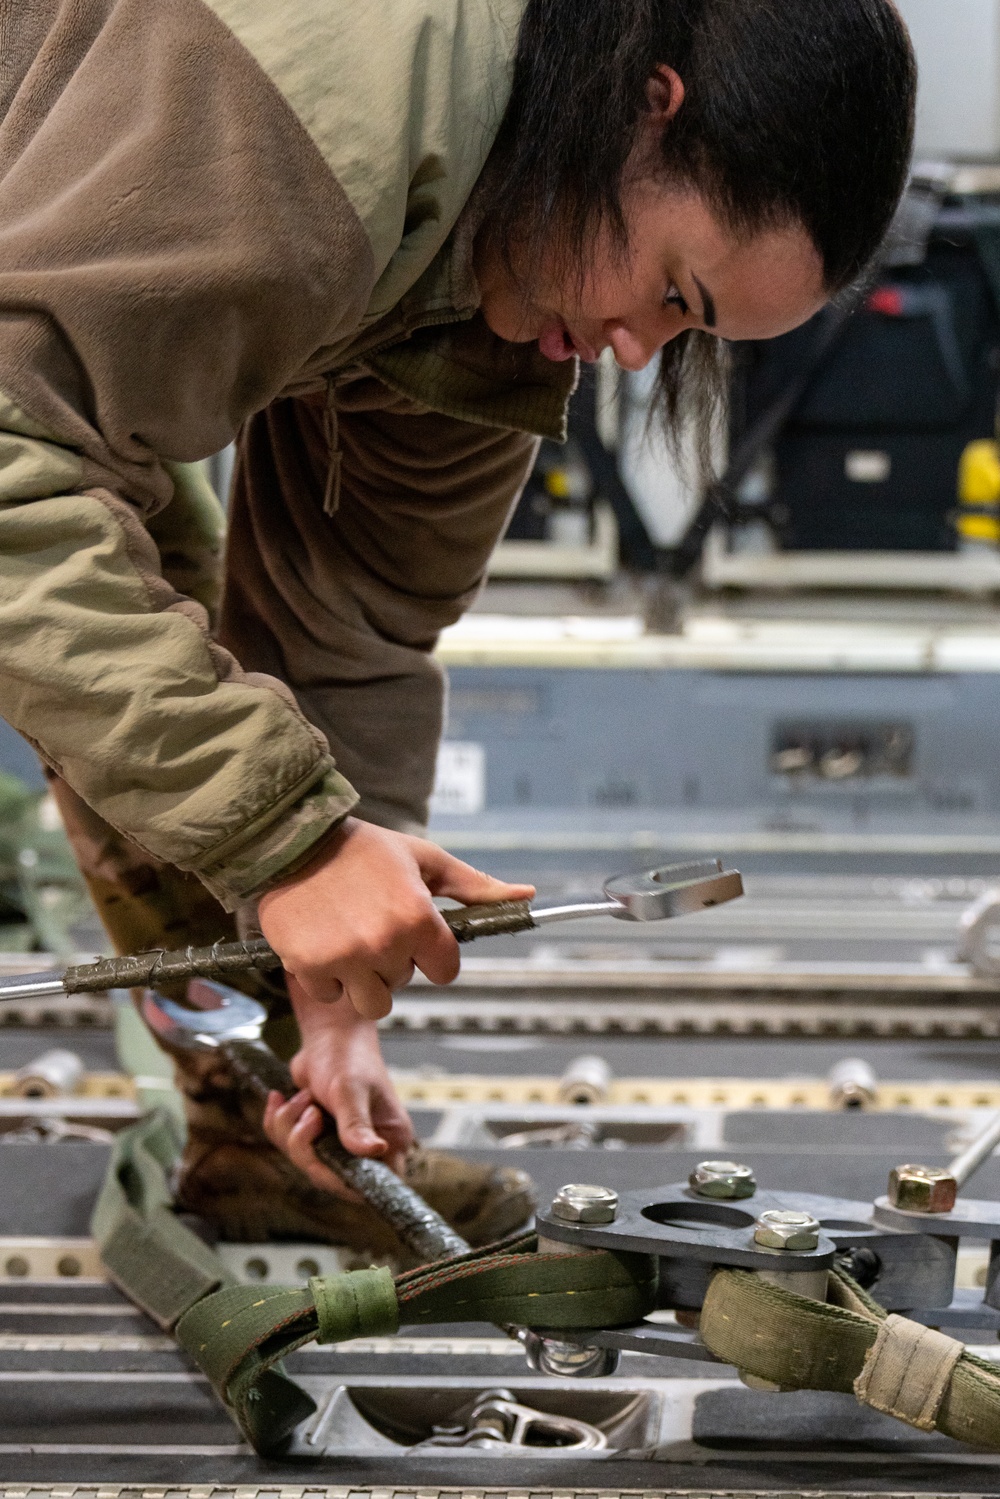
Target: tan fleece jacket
(206, 205)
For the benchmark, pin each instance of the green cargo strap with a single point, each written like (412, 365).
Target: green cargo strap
(596, 1289)
(238, 1334)
(362, 1305)
(168, 1271)
(159, 1263)
(799, 1344)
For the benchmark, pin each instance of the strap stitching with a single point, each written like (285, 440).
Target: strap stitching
(907, 1372)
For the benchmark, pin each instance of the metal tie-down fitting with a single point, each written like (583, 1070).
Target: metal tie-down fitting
(579, 1202)
(781, 1229)
(852, 1084)
(587, 1080)
(567, 1360)
(786, 1229)
(726, 1180)
(54, 1074)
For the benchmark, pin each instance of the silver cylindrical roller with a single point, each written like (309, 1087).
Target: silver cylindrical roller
(853, 1084)
(54, 1074)
(587, 1080)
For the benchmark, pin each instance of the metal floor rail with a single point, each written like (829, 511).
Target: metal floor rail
(390, 1491)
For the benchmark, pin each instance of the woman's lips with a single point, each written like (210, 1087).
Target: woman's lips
(555, 342)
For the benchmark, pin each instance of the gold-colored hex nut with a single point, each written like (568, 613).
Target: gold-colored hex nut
(922, 1189)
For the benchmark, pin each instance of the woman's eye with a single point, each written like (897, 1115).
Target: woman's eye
(673, 298)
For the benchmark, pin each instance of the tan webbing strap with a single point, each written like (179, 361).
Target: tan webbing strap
(907, 1372)
(849, 1343)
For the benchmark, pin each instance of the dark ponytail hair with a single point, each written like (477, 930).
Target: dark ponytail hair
(795, 111)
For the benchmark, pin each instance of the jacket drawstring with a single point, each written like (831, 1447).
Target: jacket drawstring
(331, 493)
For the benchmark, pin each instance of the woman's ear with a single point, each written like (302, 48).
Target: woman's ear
(664, 94)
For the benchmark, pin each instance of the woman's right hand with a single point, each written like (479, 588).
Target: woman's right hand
(360, 917)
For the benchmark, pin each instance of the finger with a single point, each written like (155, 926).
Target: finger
(399, 1139)
(368, 992)
(299, 1144)
(387, 1110)
(393, 1123)
(299, 1150)
(354, 1121)
(282, 1114)
(315, 980)
(443, 874)
(299, 1068)
(435, 951)
(273, 1104)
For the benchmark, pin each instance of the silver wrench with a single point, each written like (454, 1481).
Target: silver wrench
(217, 1018)
(672, 890)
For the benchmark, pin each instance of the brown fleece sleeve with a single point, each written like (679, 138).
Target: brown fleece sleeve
(172, 250)
(361, 527)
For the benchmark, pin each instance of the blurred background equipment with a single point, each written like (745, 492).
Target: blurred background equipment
(869, 430)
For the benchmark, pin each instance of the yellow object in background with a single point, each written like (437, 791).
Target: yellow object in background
(978, 518)
(559, 483)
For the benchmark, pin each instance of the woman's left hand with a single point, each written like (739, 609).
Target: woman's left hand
(339, 1067)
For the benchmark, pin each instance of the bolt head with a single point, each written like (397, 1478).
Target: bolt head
(581, 1203)
(922, 1189)
(722, 1179)
(786, 1229)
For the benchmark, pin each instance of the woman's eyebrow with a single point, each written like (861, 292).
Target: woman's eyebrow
(707, 303)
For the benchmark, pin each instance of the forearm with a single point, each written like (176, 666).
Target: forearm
(112, 675)
(158, 286)
(340, 1068)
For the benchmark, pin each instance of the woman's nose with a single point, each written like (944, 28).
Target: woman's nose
(631, 350)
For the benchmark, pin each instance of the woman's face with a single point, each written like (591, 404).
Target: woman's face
(684, 270)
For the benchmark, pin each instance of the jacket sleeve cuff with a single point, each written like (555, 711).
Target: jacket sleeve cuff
(278, 842)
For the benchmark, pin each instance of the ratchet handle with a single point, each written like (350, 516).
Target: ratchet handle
(153, 970)
(493, 920)
(419, 1227)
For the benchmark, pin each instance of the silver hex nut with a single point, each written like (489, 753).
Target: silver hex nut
(579, 1202)
(786, 1229)
(726, 1180)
